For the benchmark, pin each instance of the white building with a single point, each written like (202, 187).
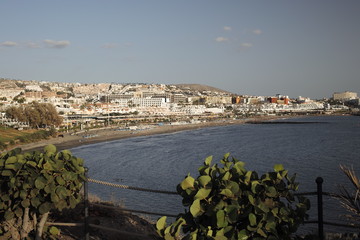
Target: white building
(35, 88)
(344, 96)
(149, 102)
(215, 110)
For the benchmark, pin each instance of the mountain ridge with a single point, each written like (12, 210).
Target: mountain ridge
(200, 87)
(8, 83)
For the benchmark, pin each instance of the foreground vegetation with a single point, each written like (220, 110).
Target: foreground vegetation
(224, 202)
(34, 184)
(350, 200)
(230, 202)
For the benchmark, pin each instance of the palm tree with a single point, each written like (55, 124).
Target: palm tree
(351, 201)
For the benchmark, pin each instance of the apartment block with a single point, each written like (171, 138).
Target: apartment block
(344, 95)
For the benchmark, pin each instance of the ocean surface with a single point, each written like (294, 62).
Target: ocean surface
(162, 161)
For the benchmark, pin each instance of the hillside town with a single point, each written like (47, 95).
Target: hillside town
(112, 103)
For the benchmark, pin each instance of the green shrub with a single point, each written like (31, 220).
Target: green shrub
(231, 202)
(2, 145)
(22, 139)
(38, 135)
(52, 132)
(33, 184)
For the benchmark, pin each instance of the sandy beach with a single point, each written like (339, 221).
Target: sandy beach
(113, 133)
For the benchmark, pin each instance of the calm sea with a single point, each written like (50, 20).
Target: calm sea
(162, 161)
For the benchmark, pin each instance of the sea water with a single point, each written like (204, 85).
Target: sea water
(162, 161)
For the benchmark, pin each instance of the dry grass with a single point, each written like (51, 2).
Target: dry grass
(8, 134)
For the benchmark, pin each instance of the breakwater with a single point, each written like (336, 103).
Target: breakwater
(283, 122)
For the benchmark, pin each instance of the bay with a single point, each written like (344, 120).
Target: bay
(162, 161)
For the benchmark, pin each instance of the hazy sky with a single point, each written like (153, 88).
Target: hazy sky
(305, 48)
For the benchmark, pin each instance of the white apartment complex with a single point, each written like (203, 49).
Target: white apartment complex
(345, 96)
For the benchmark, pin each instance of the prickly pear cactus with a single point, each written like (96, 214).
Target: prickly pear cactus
(231, 202)
(33, 184)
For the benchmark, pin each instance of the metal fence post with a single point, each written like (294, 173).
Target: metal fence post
(319, 182)
(86, 205)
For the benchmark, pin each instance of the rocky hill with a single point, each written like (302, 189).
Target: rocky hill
(200, 88)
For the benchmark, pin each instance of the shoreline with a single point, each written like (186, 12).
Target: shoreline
(112, 133)
(93, 136)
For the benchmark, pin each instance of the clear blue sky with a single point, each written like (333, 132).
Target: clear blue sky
(309, 48)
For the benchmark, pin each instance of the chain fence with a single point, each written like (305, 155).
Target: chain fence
(130, 187)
